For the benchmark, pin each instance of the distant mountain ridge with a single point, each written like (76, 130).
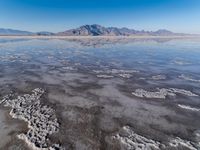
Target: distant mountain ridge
(14, 32)
(97, 30)
(19, 32)
(94, 30)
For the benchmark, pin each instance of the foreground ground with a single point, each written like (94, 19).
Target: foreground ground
(100, 93)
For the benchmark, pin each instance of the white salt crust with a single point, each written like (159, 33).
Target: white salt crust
(115, 72)
(129, 140)
(104, 76)
(180, 142)
(159, 77)
(188, 107)
(42, 120)
(162, 93)
(188, 78)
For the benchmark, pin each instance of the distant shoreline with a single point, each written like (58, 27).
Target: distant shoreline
(96, 37)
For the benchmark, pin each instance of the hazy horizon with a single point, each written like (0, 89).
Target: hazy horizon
(59, 15)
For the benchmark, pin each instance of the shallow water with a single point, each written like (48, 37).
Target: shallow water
(89, 83)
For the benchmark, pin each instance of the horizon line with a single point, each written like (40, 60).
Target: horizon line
(10, 28)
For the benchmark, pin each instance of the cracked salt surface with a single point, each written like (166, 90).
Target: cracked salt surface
(129, 140)
(162, 93)
(42, 121)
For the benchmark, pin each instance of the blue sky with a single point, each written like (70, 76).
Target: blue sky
(59, 15)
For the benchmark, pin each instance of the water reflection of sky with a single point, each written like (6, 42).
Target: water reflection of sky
(102, 76)
(181, 55)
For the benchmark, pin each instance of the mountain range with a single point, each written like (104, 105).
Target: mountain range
(14, 32)
(94, 30)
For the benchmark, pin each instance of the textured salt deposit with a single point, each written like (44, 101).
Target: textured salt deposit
(104, 76)
(69, 68)
(181, 62)
(125, 75)
(159, 77)
(177, 142)
(188, 107)
(113, 72)
(116, 71)
(182, 91)
(188, 78)
(197, 137)
(14, 58)
(129, 140)
(42, 121)
(162, 93)
(98, 71)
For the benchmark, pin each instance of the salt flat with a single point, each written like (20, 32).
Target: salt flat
(79, 93)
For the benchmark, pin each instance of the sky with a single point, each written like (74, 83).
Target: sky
(60, 15)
